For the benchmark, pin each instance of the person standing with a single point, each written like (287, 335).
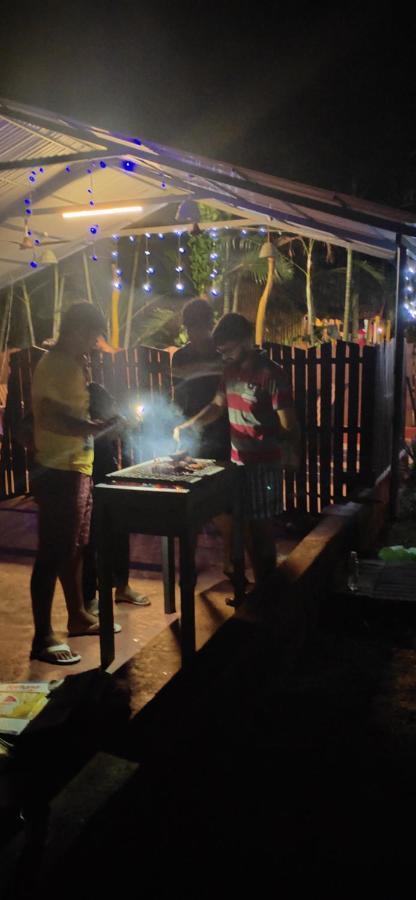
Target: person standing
(196, 372)
(62, 485)
(262, 421)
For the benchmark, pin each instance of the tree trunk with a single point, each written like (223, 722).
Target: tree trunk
(129, 316)
(227, 285)
(87, 278)
(5, 323)
(310, 306)
(26, 301)
(236, 291)
(347, 301)
(57, 303)
(355, 315)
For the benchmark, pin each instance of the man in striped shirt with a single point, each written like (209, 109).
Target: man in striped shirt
(262, 423)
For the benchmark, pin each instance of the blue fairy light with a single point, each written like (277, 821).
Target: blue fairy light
(33, 264)
(28, 201)
(28, 211)
(103, 165)
(163, 185)
(178, 268)
(37, 241)
(181, 249)
(117, 285)
(147, 287)
(94, 257)
(214, 292)
(179, 286)
(30, 233)
(114, 254)
(161, 236)
(93, 229)
(243, 231)
(41, 170)
(115, 237)
(128, 165)
(92, 203)
(150, 270)
(89, 171)
(213, 255)
(32, 178)
(67, 168)
(136, 141)
(89, 191)
(131, 237)
(119, 272)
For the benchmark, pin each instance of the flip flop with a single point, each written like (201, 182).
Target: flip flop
(50, 655)
(132, 598)
(92, 631)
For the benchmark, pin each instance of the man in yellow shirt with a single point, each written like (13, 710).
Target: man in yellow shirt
(62, 485)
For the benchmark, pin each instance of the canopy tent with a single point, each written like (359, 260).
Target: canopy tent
(55, 163)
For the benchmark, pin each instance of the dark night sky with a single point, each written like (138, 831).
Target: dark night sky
(324, 95)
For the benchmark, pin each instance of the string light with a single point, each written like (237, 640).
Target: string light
(214, 256)
(115, 269)
(179, 285)
(410, 290)
(149, 270)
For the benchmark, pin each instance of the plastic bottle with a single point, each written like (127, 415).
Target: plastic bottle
(353, 572)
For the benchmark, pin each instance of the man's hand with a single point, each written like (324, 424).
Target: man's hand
(177, 434)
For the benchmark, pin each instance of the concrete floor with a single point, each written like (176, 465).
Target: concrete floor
(139, 626)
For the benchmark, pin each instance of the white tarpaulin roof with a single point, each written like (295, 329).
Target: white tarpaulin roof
(155, 177)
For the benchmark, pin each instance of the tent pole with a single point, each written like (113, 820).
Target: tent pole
(398, 384)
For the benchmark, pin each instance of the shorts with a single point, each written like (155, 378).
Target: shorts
(65, 505)
(261, 494)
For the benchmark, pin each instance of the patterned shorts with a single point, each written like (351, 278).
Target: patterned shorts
(65, 503)
(261, 490)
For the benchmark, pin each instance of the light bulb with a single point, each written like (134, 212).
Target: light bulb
(179, 286)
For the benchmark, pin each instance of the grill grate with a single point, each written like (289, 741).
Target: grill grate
(142, 472)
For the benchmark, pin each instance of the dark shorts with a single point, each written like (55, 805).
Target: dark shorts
(261, 490)
(65, 504)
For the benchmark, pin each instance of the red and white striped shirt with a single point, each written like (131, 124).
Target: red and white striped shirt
(253, 395)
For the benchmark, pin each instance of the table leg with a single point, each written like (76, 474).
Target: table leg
(105, 586)
(187, 587)
(168, 570)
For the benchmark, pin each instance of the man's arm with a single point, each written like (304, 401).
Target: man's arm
(54, 417)
(206, 416)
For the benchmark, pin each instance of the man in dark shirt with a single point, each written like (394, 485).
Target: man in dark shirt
(197, 371)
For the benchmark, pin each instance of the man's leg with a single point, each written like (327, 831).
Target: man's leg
(70, 576)
(121, 565)
(262, 548)
(46, 645)
(42, 589)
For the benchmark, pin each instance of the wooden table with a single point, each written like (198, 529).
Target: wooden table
(169, 511)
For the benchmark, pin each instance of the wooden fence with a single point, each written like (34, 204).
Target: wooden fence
(343, 397)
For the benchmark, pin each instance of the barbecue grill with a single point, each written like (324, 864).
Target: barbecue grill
(140, 499)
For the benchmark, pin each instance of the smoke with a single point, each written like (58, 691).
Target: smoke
(153, 437)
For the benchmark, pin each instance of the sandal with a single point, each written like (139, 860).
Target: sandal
(51, 655)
